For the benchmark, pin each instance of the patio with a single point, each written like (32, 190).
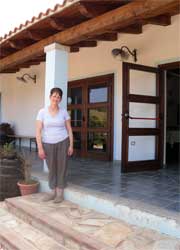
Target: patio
(154, 191)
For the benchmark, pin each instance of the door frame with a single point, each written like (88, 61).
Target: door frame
(158, 132)
(165, 67)
(95, 81)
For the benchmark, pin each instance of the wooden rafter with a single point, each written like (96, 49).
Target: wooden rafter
(56, 23)
(116, 19)
(88, 10)
(132, 29)
(18, 45)
(163, 20)
(107, 37)
(86, 44)
(38, 35)
(74, 49)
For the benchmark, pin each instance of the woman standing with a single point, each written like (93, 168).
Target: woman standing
(55, 143)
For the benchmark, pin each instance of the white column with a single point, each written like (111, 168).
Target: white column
(56, 72)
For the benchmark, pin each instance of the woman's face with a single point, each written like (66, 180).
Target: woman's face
(55, 98)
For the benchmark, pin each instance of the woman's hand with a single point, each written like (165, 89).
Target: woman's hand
(41, 154)
(70, 151)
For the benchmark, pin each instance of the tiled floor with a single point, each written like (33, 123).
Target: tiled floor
(157, 188)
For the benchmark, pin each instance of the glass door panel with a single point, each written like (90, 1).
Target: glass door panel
(97, 142)
(142, 110)
(142, 83)
(75, 96)
(98, 94)
(76, 117)
(77, 140)
(97, 118)
(141, 148)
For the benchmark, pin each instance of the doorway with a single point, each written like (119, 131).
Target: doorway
(172, 124)
(90, 105)
(142, 118)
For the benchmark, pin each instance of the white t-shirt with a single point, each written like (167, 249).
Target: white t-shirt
(54, 129)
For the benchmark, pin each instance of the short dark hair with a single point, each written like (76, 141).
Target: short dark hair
(56, 90)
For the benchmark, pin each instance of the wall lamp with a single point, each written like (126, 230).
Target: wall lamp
(26, 77)
(124, 53)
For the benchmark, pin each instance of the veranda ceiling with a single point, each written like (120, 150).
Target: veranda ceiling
(80, 23)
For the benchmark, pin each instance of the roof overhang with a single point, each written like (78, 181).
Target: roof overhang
(81, 23)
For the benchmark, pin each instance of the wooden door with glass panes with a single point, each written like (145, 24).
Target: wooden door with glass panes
(90, 105)
(142, 118)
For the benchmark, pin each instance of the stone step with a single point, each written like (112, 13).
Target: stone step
(79, 228)
(48, 218)
(15, 234)
(133, 212)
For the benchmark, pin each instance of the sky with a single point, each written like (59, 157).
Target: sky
(15, 12)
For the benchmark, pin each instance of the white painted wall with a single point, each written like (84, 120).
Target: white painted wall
(157, 44)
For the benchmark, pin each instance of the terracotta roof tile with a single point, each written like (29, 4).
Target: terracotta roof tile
(57, 8)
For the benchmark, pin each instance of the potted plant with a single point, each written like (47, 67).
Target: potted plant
(27, 185)
(7, 151)
(9, 172)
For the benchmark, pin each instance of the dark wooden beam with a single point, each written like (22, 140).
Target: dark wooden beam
(74, 49)
(7, 71)
(14, 45)
(132, 29)
(56, 23)
(88, 10)
(38, 35)
(118, 18)
(163, 20)
(28, 64)
(86, 44)
(107, 37)
(19, 44)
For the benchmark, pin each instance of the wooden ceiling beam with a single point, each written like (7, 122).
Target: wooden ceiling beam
(74, 49)
(132, 29)
(14, 45)
(6, 51)
(56, 23)
(28, 64)
(38, 35)
(163, 20)
(107, 37)
(18, 44)
(88, 10)
(86, 44)
(7, 71)
(118, 18)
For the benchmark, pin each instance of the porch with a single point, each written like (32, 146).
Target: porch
(154, 196)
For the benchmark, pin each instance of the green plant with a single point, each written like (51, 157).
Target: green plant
(26, 168)
(8, 151)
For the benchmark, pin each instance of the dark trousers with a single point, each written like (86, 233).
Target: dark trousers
(56, 159)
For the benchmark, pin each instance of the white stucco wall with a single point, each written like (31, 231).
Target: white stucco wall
(157, 44)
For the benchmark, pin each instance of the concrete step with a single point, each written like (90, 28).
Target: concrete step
(18, 235)
(79, 228)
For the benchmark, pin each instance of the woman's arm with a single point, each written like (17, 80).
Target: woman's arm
(70, 133)
(41, 152)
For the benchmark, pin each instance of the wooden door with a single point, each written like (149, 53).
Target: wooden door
(90, 104)
(142, 118)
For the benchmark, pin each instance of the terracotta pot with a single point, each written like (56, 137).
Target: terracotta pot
(26, 189)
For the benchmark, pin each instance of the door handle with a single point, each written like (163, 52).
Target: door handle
(126, 115)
